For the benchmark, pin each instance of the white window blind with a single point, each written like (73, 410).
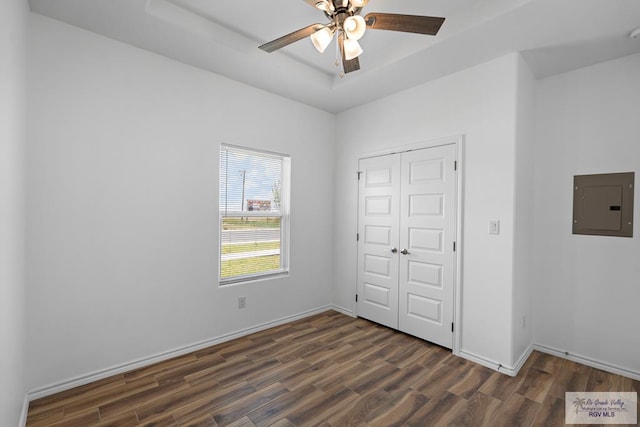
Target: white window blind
(254, 216)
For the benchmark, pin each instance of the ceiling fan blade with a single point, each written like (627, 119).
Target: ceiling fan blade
(291, 38)
(347, 65)
(429, 25)
(352, 65)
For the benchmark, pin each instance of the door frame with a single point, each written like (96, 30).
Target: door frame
(458, 141)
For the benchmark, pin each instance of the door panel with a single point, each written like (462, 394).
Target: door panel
(426, 239)
(378, 225)
(422, 273)
(423, 308)
(426, 205)
(377, 235)
(427, 232)
(407, 226)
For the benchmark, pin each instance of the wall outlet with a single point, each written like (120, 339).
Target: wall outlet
(494, 227)
(242, 302)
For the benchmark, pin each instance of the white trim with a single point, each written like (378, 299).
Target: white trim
(496, 366)
(160, 357)
(588, 361)
(512, 372)
(251, 278)
(436, 142)
(457, 296)
(345, 311)
(251, 151)
(22, 422)
(522, 360)
(491, 364)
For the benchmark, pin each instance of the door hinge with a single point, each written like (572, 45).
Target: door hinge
(356, 297)
(454, 246)
(451, 326)
(358, 173)
(357, 237)
(455, 165)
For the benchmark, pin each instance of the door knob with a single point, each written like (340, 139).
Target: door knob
(394, 250)
(404, 252)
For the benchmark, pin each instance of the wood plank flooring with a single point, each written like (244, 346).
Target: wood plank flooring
(326, 370)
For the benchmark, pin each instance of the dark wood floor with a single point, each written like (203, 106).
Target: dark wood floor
(326, 370)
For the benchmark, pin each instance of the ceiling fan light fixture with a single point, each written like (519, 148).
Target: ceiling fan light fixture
(345, 20)
(324, 6)
(354, 27)
(322, 38)
(352, 49)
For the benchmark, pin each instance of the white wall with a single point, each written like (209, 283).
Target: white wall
(479, 103)
(13, 25)
(123, 202)
(523, 235)
(587, 288)
(122, 196)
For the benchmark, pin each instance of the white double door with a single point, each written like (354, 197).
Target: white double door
(407, 232)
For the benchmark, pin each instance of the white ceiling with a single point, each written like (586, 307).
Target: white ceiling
(554, 36)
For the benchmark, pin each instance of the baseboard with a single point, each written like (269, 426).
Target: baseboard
(160, 357)
(345, 311)
(512, 371)
(522, 360)
(22, 422)
(588, 361)
(491, 364)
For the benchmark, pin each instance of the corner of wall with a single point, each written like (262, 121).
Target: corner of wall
(522, 316)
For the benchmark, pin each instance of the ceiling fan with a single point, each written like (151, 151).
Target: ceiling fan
(345, 20)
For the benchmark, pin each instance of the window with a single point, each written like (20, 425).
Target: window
(254, 214)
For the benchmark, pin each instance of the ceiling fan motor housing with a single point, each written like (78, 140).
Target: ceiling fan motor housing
(341, 10)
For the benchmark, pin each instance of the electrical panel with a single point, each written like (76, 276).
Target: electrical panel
(603, 204)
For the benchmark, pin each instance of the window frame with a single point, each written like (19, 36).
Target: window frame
(284, 215)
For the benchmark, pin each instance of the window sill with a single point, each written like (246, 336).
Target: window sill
(253, 278)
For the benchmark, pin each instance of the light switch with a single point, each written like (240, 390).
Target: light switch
(494, 227)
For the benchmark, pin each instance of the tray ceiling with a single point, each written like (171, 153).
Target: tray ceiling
(223, 37)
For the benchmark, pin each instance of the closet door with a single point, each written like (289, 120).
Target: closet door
(378, 226)
(427, 236)
(407, 231)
